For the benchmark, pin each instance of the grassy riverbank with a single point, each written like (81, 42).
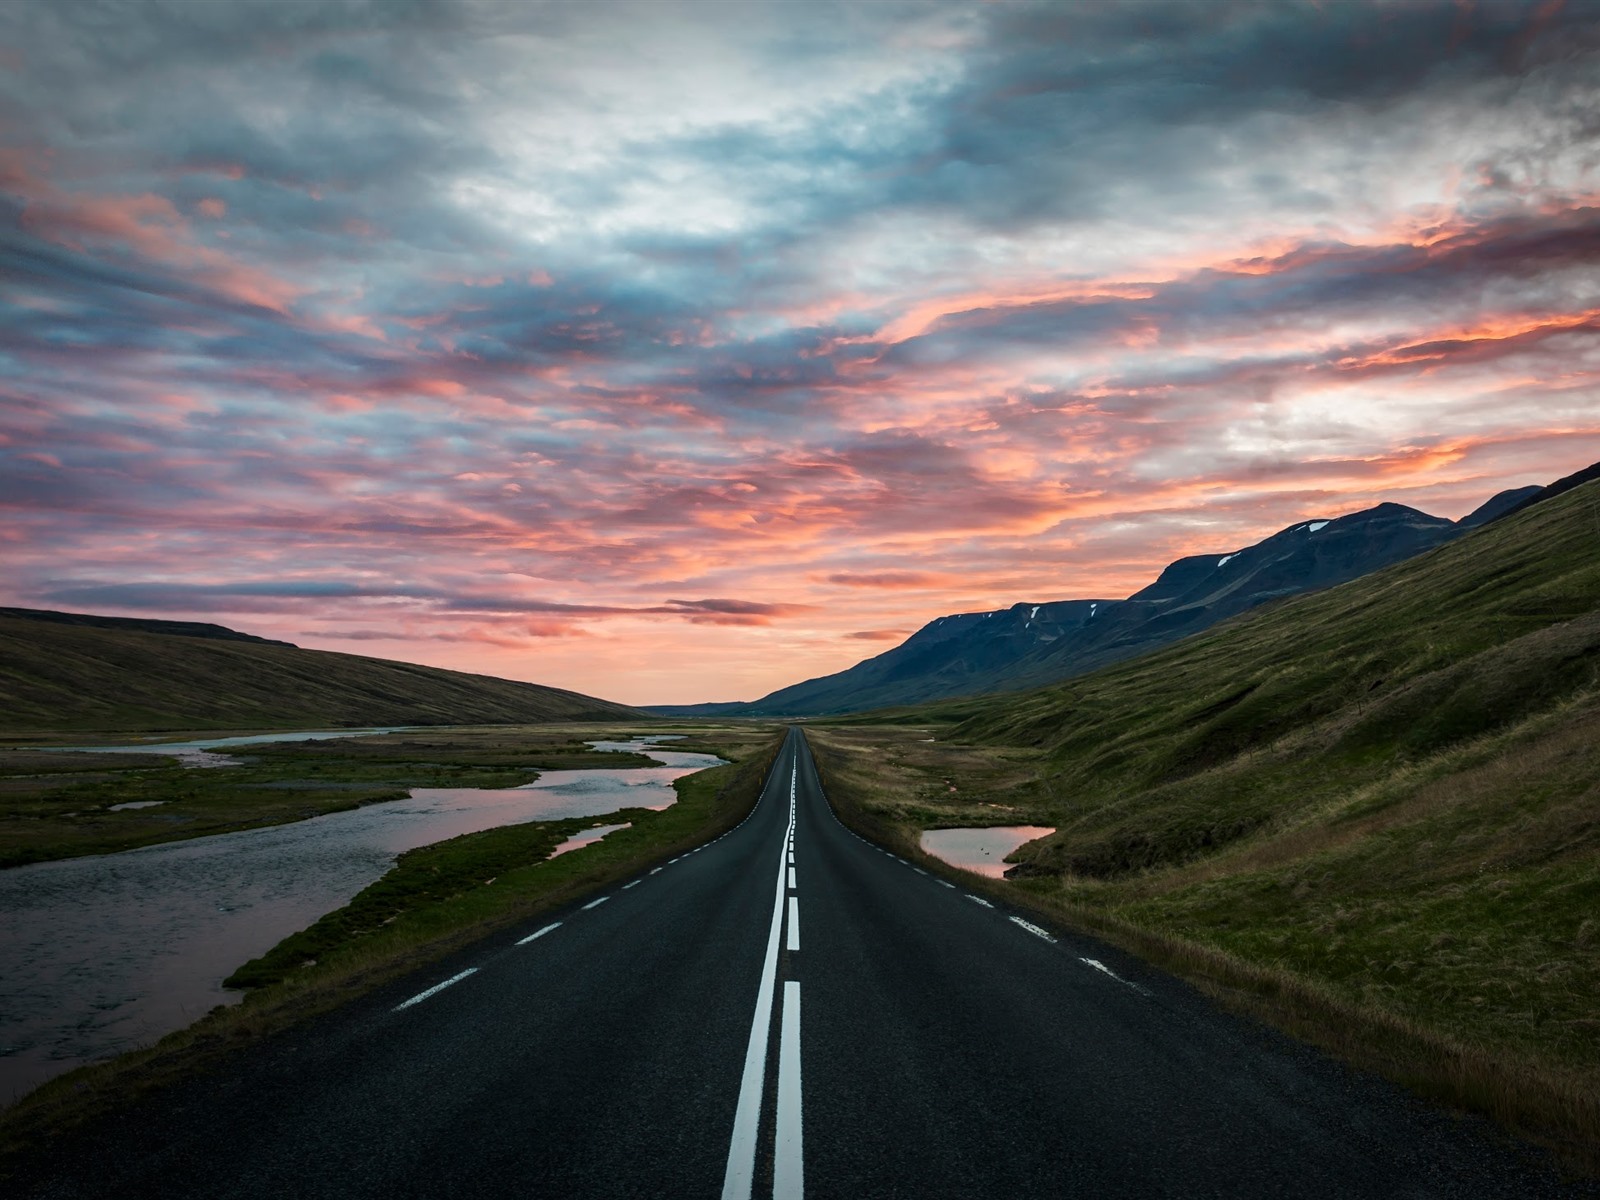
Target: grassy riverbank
(442, 899)
(1369, 814)
(58, 804)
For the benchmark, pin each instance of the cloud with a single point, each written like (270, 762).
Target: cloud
(496, 325)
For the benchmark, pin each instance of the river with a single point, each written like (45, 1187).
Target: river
(103, 954)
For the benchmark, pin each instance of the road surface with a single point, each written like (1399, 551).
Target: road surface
(786, 1011)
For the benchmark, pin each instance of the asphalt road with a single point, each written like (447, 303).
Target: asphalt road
(756, 1019)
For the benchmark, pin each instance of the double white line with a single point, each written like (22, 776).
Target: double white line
(788, 1182)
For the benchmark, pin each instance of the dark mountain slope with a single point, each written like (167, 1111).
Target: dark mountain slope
(199, 629)
(69, 676)
(1499, 505)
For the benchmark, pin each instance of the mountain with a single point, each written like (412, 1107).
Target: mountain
(1028, 645)
(76, 671)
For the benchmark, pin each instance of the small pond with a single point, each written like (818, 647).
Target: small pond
(982, 851)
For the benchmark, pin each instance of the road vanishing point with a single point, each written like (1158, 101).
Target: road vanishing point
(786, 1011)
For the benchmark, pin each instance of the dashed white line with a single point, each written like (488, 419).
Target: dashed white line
(655, 870)
(1033, 929)
(947, 883)
(635, 883)
(794, 922)
(739, 1178)
(791, 877)
(539, 933)
(977, 899)
(595, 903)
(438, 987)
(1105, 970)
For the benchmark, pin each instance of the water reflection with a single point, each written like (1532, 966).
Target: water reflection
(585, 837)
(102, 954)
(198, 751)
(252, 739)
(982, 851)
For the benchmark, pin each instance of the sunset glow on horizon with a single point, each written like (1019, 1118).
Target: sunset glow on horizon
(677, 352)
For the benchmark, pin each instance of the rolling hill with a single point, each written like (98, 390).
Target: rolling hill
(70, 671)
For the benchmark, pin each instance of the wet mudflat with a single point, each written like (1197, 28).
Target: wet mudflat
(106, 953)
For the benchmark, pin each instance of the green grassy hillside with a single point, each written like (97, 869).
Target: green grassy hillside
(61, 677)
(1377, 808)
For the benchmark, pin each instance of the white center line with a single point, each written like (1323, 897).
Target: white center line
(655, 870)
(794, 922)
(438, 987)
(977, 899)
(740, 1176)
(788, 1162)
(595, 903)
(947, 883)
(539, 933)
(791, 877)
(626, 886)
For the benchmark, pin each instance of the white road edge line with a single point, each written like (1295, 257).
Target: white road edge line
(438, 987)
(539, 933)
(794, 922)
(739, 1178)
(788, 1161)
(1105, 970)
(595, 903)
(1033, 929)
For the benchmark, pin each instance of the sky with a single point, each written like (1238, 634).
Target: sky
(673, 352)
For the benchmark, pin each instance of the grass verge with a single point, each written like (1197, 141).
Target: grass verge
(1505, 1030)
(426, 916)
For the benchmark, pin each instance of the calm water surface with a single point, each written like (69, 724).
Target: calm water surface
(981, 850)
(101, 955)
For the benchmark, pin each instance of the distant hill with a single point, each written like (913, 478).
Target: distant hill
(1028, 645)
(76, 671)
(197, 629)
